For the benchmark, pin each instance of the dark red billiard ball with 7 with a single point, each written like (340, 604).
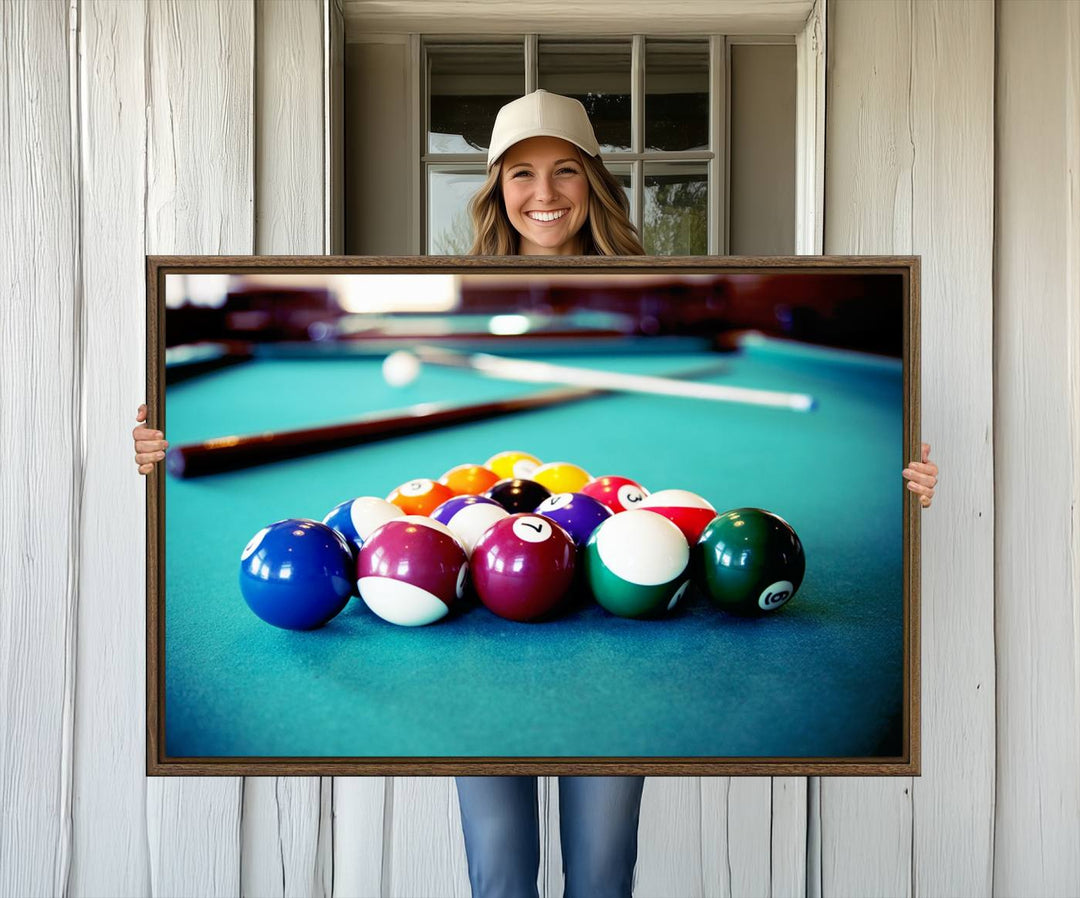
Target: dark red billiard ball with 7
(523, 566)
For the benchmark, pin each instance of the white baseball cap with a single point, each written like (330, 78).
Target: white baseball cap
(541, 114)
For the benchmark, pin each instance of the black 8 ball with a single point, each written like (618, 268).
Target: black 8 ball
(516, 494)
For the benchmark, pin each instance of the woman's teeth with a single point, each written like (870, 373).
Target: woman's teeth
(546, 216)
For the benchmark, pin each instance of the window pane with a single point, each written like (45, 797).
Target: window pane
(467, 84)
(676, 95)
(676, 209)
(597, 74)
(450, 231)
(622, 174)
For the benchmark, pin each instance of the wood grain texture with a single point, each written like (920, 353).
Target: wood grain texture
(283, 816)
(424, 852)
(1037, 820)
(788, 837)
(289, 134)
(362, 805)
(865, 836)
(109, 820)
(671, 838)
(41, 431)
(952, 77)
(199, 198)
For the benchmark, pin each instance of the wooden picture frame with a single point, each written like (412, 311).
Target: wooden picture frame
(829, 685)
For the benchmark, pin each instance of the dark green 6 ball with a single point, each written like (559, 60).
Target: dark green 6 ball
(749, 561)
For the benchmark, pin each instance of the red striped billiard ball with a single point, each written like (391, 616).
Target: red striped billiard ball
(523, 566)
(686, 510)
(411, 571)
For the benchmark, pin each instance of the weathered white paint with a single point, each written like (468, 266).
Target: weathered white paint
(362, 807)
(200, 197)
(424, 851)
(909, 154)
(41, 433)
(557, 17)
(868, 160)
(108, 816)
(1037, 821)
(282, 817)
(810, 133)
(952, 127)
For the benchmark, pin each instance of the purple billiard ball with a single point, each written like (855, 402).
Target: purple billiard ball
(578, 514)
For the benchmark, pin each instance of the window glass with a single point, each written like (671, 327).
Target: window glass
(597, 74)
(450, 188)
(676, 95)
(676, 209)
(467, 84)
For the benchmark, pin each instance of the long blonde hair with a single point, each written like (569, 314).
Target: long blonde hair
(608, 230)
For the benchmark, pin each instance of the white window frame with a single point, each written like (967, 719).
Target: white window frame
(810, 125)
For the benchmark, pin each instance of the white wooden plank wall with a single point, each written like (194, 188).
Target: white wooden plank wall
(199, 198)
(1037, 834)
(286, 829)
(41, 451)
(109, 814)
(909, 169)
(157, 127)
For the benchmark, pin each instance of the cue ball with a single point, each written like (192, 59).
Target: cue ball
(749, 561)
(523, 566)
(411, 571)
(400, 368)
(296, 574)
(636, 564)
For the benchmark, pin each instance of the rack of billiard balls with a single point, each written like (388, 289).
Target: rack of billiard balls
(523, 534)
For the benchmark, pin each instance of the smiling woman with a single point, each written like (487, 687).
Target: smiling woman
(547, 190)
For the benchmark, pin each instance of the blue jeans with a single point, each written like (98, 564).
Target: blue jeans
(598, 827)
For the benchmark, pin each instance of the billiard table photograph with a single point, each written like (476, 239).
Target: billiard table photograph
(445, 515)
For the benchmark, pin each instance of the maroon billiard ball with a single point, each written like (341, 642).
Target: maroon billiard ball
(411, 571)
(617, 493)
(523, 566)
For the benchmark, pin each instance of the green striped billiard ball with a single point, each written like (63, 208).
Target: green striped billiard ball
(636, 564)
(749, 561)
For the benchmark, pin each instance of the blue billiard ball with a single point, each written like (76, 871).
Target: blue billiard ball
(297, 574)
(578, 514)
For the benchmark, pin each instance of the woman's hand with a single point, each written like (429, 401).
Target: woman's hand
(922, 477)
(150, 445)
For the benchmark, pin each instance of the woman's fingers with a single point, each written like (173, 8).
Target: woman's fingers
(919, 474)
(151, 445)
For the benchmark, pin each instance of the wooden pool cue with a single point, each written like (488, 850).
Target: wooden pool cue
(232, 452)
(526, 371)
